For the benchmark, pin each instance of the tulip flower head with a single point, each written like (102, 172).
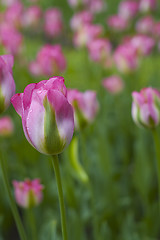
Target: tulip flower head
(145, 25)
(6, 126)
(128, 9)
(28, 193)
(146, 107)
(85, 107)
(7, 85)
(147, 5)
(31, 16)
(79, 19)
(117, 23)
(113, 84)
(47, 116)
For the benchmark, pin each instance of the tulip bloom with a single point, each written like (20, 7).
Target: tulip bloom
(7, 85)
(53, 22)
(117, 23)
(85, 106)
(31, 16)
(145, 25)
(79, 19)
(47, 116)
(113, 84)
(147, 5)
(50, 61)
(28, 193)
(6, 126)
(146, 107)
(128, 9)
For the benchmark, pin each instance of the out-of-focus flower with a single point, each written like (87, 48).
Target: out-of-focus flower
(100, 50)
(128, 9)
(7, 85)
(50, 61)
(86, 34)
(28, 193)
(31, 16)
(6, 126)
(156, 30)
(126, 58)
(85, 107)
(53, 22)
(147, 5)
(117, 23)
(81, 18)
(47, 116)
(96, 6)
(14, 14)
(146, 107)
(11, 39)
(113, 84)
(143, 44)
(145, 25)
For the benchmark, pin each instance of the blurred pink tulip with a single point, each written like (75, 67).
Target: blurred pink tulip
(85, 107)
(145, 25)
(96, 6)
(86, 34)
(31, 16)
(47, 116)
(117, 23)
(14, 14)
(6, 126)
(7, 84)
(100, 50)
(28, 193)
(81, 18)
(53, 22)
(128, 9)
(50, 61)
(146, 107)
(113, 84)
(147, 5)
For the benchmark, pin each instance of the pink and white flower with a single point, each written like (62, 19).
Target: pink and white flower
(28, 193)
(47, 116)
(146, 107)
(145, 25)
(113, 84)
(128, 9)
(6, 126)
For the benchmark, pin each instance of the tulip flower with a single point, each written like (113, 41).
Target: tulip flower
(14, 14)
(145, 25)
(117, 23)
(79, 19)
(85, 107)
(146, 107)
(47, 116)
(31, 16)
(147, 5)
(50, 60)
(6, 126)
(7, 84)
(113, 84)
(53, 22)
(128, 9)
(28, 193)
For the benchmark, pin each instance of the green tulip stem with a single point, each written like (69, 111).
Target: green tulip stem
(11, 199)
(157, 148)
(60, 193)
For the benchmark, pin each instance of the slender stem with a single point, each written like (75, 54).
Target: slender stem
(11, 199)
(31, 223)
(61, 198)
(157, 148)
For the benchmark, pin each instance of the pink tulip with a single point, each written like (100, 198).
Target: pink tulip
(47, 116)
(53, 22)
(14, 14)
(81, 18)
(128, 9)
(50, 61)
(28, 193)
(147, 5)
(117, 23)
(143, 44)
(85, 107)
(126, 58)
(11, 39)
(6, 126)
(99, 50)
(7, 84)
(113, 84)
(86, 34)
(145, 25)
(146, 107)
(31, 16)
(96, 6)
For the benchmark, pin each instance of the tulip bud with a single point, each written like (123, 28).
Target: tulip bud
(28, 193)
(47, 116)
(85, 106)
(7, 85)
(6, 126)
(146, 107)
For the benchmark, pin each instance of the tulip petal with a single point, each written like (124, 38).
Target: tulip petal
(9, 60)
(17, 101)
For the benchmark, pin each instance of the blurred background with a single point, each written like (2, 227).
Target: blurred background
(121, 201)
